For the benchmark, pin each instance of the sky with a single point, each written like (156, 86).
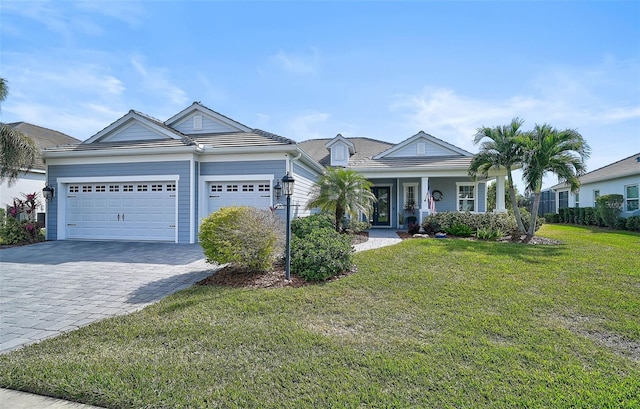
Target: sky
(313, 69)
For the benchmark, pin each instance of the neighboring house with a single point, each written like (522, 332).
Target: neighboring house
(621, 177)
(144, 179)
(34, 179)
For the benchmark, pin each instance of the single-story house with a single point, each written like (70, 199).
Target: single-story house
(144, 179)
(621, 177)
(34, 179)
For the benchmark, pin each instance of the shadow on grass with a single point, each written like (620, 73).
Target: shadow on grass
(531, 253)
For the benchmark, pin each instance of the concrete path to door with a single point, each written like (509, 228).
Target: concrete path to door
(55, 287)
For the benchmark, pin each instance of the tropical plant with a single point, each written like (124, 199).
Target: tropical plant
(18, 153)
(549, 150)
(499, 148)
(342, 191)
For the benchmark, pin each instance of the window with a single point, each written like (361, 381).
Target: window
(114, 188)
(127, 188)
(410, 197)
(577, 197)
(87, 189)
(74, 189)
(156, 188)
(466, 197)
(563, 199)
(101, 188)
(197, 122)
(247, 188)
(171, 187)
(232, 188)
(216, 188)
(264, 188)
(596, 195)
(143, 188)
(631, 197)
(338, 152)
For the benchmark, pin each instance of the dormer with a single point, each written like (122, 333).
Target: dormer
(422, 145)
(341, 149)
(198, 119)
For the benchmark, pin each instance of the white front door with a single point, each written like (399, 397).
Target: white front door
(121, 211)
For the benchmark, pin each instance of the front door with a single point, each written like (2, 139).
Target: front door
(381, 208)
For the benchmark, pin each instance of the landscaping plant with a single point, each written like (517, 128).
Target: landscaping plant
(608, 208)
(320, 254)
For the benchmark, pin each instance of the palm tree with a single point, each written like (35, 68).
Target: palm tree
(18, 153)
(342, 191)
(499, 148)
(549, 150)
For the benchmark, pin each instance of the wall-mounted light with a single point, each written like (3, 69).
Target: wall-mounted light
(48, 192)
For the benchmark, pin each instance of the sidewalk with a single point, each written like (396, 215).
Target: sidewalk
(379, 238)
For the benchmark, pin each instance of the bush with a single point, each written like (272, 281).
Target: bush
(552, 218)
(321, 254)
(581, 213)
(460, 230)
(356, 226)
(633, 223)
(609, 208)
(413, 228)
(440, 222)
(303, 226)
(590, 216)
(488, 234)
(526, 220)
(245, 236)
(621, 223)
(20, 232)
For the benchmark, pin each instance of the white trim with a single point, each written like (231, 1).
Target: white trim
(196, 106)
(416, 197)
(390, 186)
(119, 159)
(475, 195)
(166, 150)
(428, 138)
(626, 199)
(128, 178)
(192, 200)
(203, 202)
(133, 117)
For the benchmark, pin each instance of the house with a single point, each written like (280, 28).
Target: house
(621, 177)
(144, 179)
(34, 179)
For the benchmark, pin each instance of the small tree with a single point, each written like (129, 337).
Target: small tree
(245, 236)
(609, 207)
(342, 191)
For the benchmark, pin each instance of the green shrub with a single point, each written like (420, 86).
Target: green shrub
(303, 226)
(20, 232)
(609, 208)
(356, 226)
(621, 223)
(321, 254)
(526, 220)
(590, 216)
(564, 215)
(460, 230)
(581, 213)
(552, 218)
(245, 236)
(440, 222)
(488, 234)
(633, 223)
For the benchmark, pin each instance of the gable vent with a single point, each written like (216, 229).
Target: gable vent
(197, 122)
(422, 148)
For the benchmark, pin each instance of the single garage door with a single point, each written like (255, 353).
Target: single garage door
(239, 193)
(122, 211)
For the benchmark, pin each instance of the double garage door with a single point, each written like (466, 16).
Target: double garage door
(121, 211)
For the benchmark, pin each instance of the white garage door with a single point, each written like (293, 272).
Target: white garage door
(121, 211)
(239, 193)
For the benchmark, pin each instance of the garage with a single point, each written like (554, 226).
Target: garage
(255, 193)
(121, 211)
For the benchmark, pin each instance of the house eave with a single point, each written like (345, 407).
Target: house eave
(118, 152)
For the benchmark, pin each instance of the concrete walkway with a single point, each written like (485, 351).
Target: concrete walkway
(54, 287)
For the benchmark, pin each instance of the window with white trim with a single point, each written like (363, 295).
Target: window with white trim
(171, 187)
(466, 197)
(101, 188)
(264, 188)
(596, 195)
(232, 188)
(577, 199)
(156, 188)
(127, 188)
(114, 188)
(143, 188)
(197, 122)
(631, 197)
(87, 189)
(216, 188)
(247, 188)
(563, 199)
(410, 196)
(73, 189)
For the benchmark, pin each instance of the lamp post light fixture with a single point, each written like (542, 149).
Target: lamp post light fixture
(287, 189)
(48, 192)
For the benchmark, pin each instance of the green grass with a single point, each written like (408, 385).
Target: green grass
(426, 323)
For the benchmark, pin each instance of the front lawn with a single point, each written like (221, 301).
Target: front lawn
(426, 323)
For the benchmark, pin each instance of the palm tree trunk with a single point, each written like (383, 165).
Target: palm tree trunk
(339, 216)
(514, 203)
(534, 213)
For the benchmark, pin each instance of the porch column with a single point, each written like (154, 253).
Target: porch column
(500, 207)
(424, 202)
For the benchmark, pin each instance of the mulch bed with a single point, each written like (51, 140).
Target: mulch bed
(508, 239)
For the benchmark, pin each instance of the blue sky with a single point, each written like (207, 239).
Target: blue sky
(383, 70)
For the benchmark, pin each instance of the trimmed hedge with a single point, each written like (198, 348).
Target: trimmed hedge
(502, 222)
(320, 254)
(633, 223)
(609, 208)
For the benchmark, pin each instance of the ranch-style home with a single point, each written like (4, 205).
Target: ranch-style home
(144, 179)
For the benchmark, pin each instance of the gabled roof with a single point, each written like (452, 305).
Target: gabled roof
(340, 138)
(629, 166)
(430, 138)
(43, 138)
(363, 148)
(198, 107)
(136, 116)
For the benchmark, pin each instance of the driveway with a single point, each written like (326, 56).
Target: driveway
(54, 287)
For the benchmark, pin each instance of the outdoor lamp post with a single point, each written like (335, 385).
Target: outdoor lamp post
(287, 189)
(48, 192)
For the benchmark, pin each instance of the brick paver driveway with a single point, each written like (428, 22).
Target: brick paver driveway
(54, 287)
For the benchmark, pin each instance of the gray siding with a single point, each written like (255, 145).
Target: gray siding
(482, 196)
(180, 168)
(208, 126)
(135, 132)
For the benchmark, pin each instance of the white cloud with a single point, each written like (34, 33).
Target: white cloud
(298, 63)
(156, 81)
(306, 126)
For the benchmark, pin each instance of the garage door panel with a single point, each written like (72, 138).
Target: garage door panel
(239, 193)
(122, 211)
